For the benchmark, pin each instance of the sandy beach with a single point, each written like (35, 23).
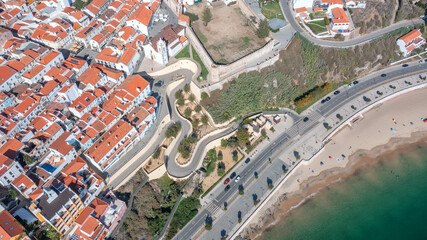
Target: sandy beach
(385, 128)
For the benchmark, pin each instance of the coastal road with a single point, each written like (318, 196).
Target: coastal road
(316, 114)
(288, 12)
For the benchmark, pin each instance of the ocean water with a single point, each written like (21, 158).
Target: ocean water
(385, 201)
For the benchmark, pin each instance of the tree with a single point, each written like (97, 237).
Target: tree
(205, 120)
(263, 133)
(241, 190)
(173, 130)
(28, 159)
(180, 102)
(198, 108)
(263, 29)
(204, 95)
(242, 136)
(178, 94)
(187, 112)
(187, 88)
(51, 234)
(207, 16)
(191, 98)
(156, 153)
(13, 194)
(220, 156)
(195, 123)
(221, 168)
(326, 87)
(224, 143)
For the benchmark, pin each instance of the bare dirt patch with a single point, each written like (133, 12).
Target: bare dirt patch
(229, 35)
(152, 164)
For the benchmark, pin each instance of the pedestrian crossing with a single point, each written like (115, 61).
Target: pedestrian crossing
(212, 208)
(292, 131)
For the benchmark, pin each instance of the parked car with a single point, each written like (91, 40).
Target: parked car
(383, 75)
(405, 65)
(336, 92)
(247, 160)
(227, 188)
(421, 61)
(355, 82)
(226, 181)
(305, 119)
(233, 174)
(328, 98)
(323, 101)
(237, 178)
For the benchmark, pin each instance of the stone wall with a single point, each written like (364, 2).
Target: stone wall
(247, 11)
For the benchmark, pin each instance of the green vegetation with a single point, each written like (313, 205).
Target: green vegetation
(187, 209)
(207, 16)
(185, 53)
(28, 159)
(13, 194)
(310, 56)
(250, 93)
(272, 10)
(263, 29)
(193, 17)
(173, 130)
(187, 88)
(242, 136)
(80, 4)
(186, 145)
(196, 57)
(156, 153)
(317, 26)
(187, 112)
(50, 234)
(198, 108)
(210, 161)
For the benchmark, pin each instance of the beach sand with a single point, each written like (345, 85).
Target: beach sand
(361, 144)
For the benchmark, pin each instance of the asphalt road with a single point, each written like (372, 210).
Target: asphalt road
(299, 128)
(287, 11)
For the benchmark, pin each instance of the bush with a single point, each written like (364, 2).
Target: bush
(220, 156)
(205, 120)
(224, 143)
(193, 17)
(187, 88)
(235, 158)
(220, 171)
(180, 102)
(198, 108)
(173, 130)
(156, 153)
(186, 211)
(28, 159)
(270, 186)
(204, 95)
(208, 226)
(187, 112)
(207, 16)
(195, 123)
(263, 29)
(191, 98)
(242, 136)
(13, 194)
(263, 133)
(178, 94)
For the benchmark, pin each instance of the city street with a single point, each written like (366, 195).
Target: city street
(304, 138)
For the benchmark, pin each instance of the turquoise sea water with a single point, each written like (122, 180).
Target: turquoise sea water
(384, 201)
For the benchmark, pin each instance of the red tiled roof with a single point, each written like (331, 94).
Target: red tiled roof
(9, 226)
(410, 36)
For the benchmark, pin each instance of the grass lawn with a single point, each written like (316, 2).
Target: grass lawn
(196, 57)
(183, 54)
(317, 26)
(272, 10)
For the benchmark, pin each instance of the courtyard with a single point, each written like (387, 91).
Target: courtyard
(229, 35)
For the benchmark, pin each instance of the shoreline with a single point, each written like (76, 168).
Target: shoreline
(372, 147)
(315, 185)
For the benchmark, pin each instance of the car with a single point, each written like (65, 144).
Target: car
(305, 119)
(425, 60)
(233, 174)
(328, 98)
(247, 160)
(227, 188)
(237, 178)
(323, 101)
(350, 85)
(383, 75)
(226, 181)
(421, 61)
(405, 65)
(355, 82)
(336, 92)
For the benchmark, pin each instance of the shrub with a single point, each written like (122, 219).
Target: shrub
(193, 17)
(242, 136)
(187, 112)
(263, 29)
(263, 133)
(207, 16)
(205, 120)
(180, 102)
(178, 94)
(191, 98)
(198, 108)
(13, 194)
(204, 96)
(187, 88)
(224, 143)
(156, 153)
(173, 130)
(195, 123)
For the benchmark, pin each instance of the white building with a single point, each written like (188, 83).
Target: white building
(410, 41)
(9, 170)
